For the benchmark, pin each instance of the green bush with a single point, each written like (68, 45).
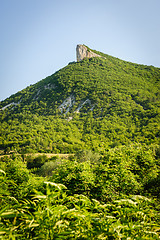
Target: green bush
(36, 162)
(48, 168)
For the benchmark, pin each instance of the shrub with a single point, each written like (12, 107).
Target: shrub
(36, 162)
(48, 167)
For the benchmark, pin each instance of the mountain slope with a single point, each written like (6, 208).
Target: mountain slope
(97, 79)
(107, 100)
(104, 111)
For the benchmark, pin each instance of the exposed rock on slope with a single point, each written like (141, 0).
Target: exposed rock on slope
(83, 52)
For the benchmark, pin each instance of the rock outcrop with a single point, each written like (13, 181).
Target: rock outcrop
(83, 52)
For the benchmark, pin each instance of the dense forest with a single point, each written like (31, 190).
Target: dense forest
(80, 155)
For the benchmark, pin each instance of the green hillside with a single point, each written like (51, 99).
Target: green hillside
(96, 102)
(103, 81)
(103, 114)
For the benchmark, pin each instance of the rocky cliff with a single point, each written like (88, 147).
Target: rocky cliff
(83, 52)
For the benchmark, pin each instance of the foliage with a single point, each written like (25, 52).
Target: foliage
(120, 172)
(36, 162)
(48, 168)
(109, 186)
(103, 197)
(57, 215)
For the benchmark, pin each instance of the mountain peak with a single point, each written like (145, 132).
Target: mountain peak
(84, 52)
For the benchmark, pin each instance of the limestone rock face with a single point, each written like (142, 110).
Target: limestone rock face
(83, 52)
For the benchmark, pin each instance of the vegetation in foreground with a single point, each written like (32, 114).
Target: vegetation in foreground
(87, 196)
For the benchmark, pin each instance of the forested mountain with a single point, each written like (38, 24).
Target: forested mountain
(104, 113)
(113, 101)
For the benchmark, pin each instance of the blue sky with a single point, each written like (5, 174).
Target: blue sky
(38, 37)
